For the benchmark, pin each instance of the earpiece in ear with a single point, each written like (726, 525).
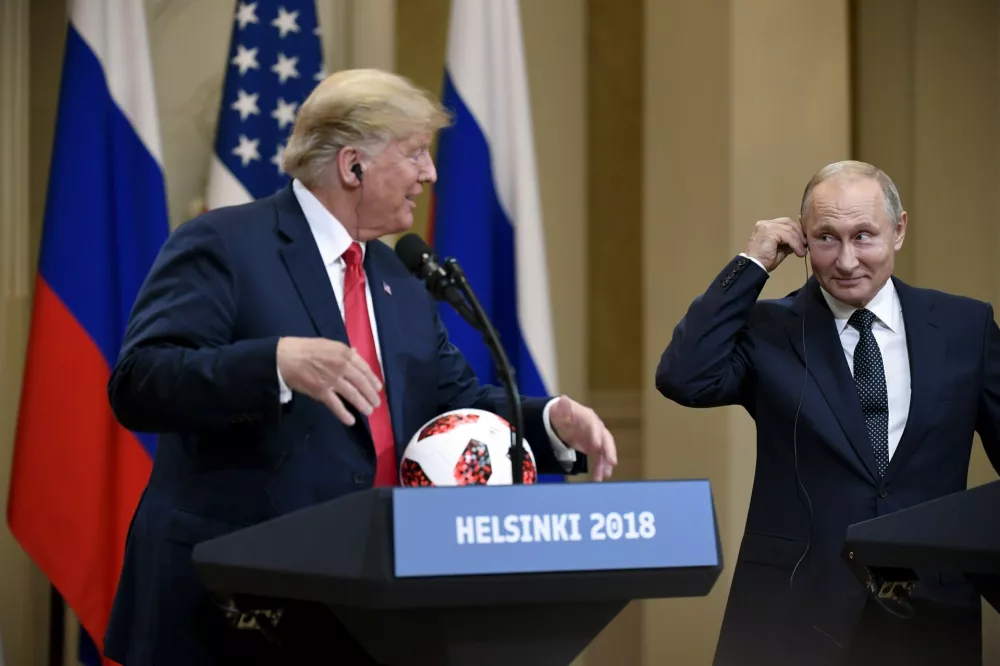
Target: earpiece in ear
(357, 172)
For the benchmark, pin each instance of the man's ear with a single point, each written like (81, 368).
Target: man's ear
(900, 231)
(348, 159)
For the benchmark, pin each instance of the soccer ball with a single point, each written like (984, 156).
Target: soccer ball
(463, 447)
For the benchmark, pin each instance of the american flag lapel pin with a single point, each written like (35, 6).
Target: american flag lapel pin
(388, 289)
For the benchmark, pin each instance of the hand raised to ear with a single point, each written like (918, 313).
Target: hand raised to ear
(773, 240)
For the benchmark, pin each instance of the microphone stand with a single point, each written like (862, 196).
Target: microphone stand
(483, 325)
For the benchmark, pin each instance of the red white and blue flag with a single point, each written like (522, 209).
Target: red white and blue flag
(486, 209)
(77, 474)
(275, 60)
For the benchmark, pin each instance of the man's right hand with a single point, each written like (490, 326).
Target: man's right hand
(329, 372)
(773, 240)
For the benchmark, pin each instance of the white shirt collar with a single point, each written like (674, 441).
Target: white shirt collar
(331, 236)
(885, 306)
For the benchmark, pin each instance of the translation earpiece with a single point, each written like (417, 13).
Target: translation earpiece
(357, 172)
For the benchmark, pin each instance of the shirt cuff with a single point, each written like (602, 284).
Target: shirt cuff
(565, 455)
(284, 393)
(744, 254)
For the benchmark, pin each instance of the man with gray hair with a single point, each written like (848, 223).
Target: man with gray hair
(867, 394)
(285, 356)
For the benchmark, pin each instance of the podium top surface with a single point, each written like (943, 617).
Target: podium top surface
(957, 532)
(389, 547)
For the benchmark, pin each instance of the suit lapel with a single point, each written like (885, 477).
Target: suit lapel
(824, 356)
(305, 266)
(925, 346)
(384, 303)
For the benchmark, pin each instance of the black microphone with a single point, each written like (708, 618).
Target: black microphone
(448, 283)
(419, 259)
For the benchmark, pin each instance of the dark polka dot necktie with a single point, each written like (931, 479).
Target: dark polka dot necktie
(869, 376)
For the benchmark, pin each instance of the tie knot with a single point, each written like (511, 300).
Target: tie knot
(862, 319)
(352, 256)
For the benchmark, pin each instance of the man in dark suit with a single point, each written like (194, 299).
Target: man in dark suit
(866, 393)
(286, 356)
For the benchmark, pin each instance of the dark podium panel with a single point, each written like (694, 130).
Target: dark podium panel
(389, 565)
(957, 533)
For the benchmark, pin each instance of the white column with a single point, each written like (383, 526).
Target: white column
(333, 23)
(373, 27)
(358, 33)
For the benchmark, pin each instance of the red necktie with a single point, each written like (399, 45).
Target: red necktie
(359, 332)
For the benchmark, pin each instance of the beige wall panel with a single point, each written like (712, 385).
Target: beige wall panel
(685, 242)
(614, 193)
(744, 102)
(615, 38)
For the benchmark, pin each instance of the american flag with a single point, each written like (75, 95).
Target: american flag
(275, 60)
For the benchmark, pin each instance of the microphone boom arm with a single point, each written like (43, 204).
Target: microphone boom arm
(492, 340)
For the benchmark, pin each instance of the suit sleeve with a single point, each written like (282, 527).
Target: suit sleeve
(988, 414)
(709, 358)
(458, 388)
(179, 368)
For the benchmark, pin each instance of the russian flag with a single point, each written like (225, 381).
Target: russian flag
(77, 474)
(486, 210)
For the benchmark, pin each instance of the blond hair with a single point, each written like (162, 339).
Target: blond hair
(362, 108)
(855, 169)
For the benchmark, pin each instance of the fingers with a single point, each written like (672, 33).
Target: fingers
(355, 383)
(609, 448)
(333, 402)
(792, 237)
(357, 395)
(358, 363)
(364, 381)
(602, 469)
(601, 445)
(607, 455)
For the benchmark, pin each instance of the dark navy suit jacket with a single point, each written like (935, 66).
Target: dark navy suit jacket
(198, 366)
(731, 349)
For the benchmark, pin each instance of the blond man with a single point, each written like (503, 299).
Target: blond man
(285, 356)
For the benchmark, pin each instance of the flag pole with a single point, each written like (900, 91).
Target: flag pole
(57, 626)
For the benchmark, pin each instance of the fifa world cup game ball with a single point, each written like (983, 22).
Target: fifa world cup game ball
(463, 447)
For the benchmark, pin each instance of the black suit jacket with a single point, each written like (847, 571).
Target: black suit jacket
(731, 349)
(198, 367)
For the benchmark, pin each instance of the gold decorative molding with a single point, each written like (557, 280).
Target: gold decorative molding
(14, 217)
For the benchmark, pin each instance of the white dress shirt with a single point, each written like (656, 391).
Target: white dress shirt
(333, 240)
(890, 335)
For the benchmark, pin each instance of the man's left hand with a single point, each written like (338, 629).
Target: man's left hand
(580, 428)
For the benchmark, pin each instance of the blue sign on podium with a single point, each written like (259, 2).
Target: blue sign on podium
(474, 530)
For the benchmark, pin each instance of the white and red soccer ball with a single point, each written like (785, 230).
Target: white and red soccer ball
(463, 447)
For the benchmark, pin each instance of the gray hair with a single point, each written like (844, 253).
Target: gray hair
(856, 169)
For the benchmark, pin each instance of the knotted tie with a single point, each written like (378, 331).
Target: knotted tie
(359, 332)
(869, 376)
